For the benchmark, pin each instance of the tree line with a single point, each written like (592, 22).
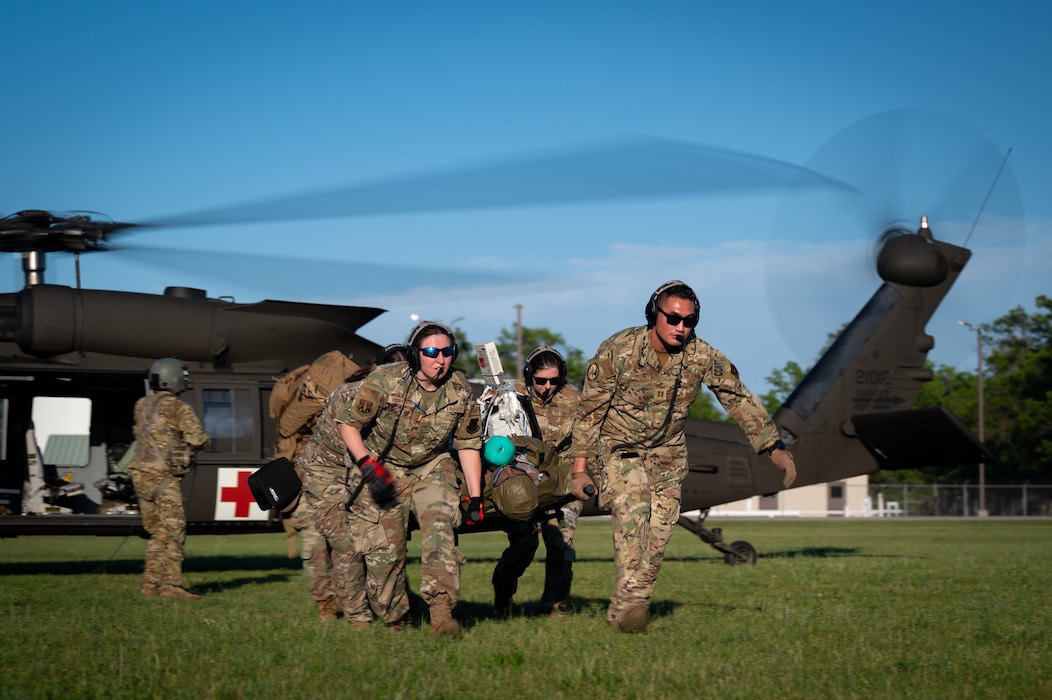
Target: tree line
(1017, 396)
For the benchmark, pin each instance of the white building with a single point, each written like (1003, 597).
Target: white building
(848, 498)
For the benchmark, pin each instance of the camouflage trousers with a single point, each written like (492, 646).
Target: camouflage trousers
(163, 517)
(316, 555)
(642, 490)
(378, 537)
(558, 565)
(330, 527)
(432, 495)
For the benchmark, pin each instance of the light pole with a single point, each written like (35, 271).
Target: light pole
(979, 330)
(518, 339)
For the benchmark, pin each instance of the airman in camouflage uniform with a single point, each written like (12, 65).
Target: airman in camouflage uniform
(324, 470)
(629, 434)
(337, 577)
(554, 403)
(167, 433)
(399, 430)
(295, 424)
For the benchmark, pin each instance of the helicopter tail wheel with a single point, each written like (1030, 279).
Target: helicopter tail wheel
(743, 554)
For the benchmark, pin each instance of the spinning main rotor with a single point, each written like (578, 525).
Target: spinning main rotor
(626, 169)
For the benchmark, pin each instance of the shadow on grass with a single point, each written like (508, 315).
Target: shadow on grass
(271, 562)
(233, 584)
(715, 557)
(134, 566)
(474, 612)
(817, 553)
(471, 613)
(280, 561)
(805, 553)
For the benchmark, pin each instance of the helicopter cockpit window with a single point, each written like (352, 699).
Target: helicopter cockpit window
(228, 420)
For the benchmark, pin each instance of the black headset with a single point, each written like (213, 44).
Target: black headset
(652, 305)
(384, 356)
(527, 367)
(412, 353)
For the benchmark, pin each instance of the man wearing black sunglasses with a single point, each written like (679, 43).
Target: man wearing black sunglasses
(629, 436)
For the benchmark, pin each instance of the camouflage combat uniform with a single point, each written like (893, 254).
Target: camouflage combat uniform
(555, 418)
(315, 554)
(167, 432)
(630, 423)
(425, 472)
(295, 425)
(338, 571)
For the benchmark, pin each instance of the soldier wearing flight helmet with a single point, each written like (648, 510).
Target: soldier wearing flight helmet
(629, 435)
(167, 433)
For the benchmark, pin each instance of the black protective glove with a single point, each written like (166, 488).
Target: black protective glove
(475, 514)
(379, 481)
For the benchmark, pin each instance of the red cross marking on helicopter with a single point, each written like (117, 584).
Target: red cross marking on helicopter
(240, 495)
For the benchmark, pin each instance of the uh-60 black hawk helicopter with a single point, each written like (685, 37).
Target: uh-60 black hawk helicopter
(849, 416)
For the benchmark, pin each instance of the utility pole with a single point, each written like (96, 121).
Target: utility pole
(979, 330)
(518, 339)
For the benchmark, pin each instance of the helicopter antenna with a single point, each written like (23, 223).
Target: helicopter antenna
(987, 199)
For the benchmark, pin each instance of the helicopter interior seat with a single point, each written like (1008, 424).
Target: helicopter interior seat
(72, 465)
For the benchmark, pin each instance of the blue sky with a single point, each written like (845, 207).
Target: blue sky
(144, 111)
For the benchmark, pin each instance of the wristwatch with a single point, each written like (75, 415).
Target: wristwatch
(778, 445)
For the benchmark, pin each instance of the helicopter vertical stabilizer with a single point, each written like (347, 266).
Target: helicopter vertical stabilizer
(875, 367)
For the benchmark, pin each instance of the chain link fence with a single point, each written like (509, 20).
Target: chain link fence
(1023, 500)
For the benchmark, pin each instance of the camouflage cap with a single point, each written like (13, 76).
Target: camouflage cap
(515, 495)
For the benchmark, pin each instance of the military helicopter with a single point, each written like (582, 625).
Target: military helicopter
(849, 416)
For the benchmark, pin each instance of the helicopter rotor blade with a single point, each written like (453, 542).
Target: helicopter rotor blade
(630, 168)
(277, 276)
(616, 170)
(906, 164)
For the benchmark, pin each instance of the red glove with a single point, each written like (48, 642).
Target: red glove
(379, 481)
(475, 514)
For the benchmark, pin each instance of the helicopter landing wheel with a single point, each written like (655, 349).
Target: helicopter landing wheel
(743, 554)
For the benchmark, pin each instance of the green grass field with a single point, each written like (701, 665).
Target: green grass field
(834, 609)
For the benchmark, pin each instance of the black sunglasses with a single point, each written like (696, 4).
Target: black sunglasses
(435, 352)
(676, 319)
(542, 381)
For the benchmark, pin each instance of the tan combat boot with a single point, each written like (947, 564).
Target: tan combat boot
(148, 589)
(443, 624)
(635, 618)
(327, 609)
(178, 592)
(557, 611)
